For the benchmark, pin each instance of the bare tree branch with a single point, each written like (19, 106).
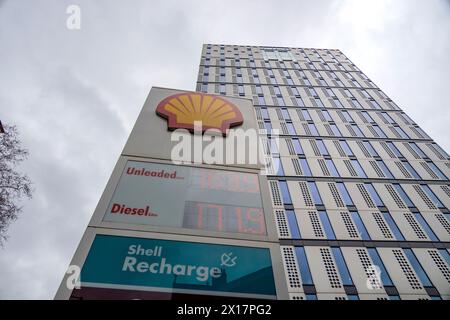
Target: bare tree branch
(13, 184)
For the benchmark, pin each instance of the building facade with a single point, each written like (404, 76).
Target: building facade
(360, 196)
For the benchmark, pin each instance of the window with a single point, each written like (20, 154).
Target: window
(357, 130)
(332, 168)
(323, 150)
(394, 149)
(370, 148)
(439, 150)
(342, 266)
(306, 115)
(222, 89)
(319, 103)
(293, 225)
(385, 278)
(447, 215)
(393, 226)
(359, 170)
(401, 133)
(344, 194)
(356, 104)
(379, 132)
(241, 90)
(432, 196)
(365, 94)
(285, 114)
(259, 90)
(326, 225)
(277, 166)
(375, 104)
(299, 101)
(335, 130)
(330, 92)
(285, 192)
(411, 170)
(313, 129)
(385, 169)
(346, 148)
(277, 90)
(348, 93)
(265, 114)
(387, 118)
(367, 117)
(305, 167)
(305, 272)
(436, 170)
(338, 103)
(403, 195)
(268, 126)
(373, 193)
(417, 268)
(290, 128)
(312, 92)
(444, 253)
(326, 115)
(272, 144)
(261, 101)
(315, 193)
(419, 151)
(360, 225)
(347, 116)
(425, 226)
(297, 146)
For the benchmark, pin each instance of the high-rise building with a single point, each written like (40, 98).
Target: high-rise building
(353, 202)
(361, 193)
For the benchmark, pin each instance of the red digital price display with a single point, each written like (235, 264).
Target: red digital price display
(225, 181)
(224, 218)
(224, 201)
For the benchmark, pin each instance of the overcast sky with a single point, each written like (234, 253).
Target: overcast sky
(76, 94)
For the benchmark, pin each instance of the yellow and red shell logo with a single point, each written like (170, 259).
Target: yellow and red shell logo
(182, 109)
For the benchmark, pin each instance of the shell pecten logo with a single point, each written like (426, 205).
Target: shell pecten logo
(183, 109)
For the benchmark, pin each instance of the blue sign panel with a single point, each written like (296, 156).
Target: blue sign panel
(178, 266)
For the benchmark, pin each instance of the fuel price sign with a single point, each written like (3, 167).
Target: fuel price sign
(188, 197)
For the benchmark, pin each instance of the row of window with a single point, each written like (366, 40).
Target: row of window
(244, 62)
(369, 193)
(335, 261)
(267, 76)
(295, 96)
(305, 77)
(282, 59)
(340, 116)
(327, 167)
(332, 129)
(352, 168)
(354, 148)
(355, 227)
(279, 53)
